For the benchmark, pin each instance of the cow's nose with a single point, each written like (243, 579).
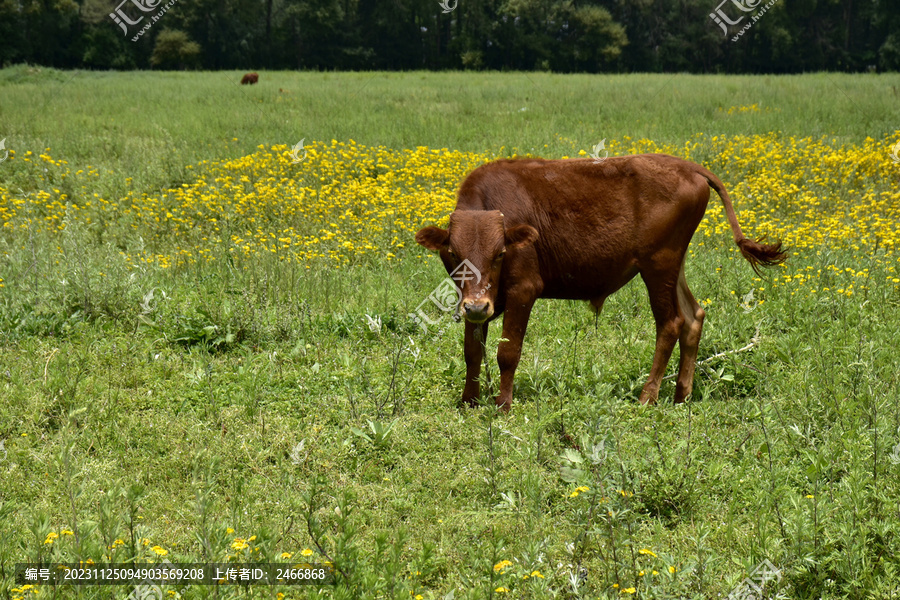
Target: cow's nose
(477, 311)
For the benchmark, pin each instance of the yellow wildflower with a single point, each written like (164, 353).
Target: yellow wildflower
(500, 566)
(239, 544)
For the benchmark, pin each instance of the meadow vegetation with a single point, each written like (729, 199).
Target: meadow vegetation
(206, 352)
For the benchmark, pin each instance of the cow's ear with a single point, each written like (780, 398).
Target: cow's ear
(520, 236)
(433, 238)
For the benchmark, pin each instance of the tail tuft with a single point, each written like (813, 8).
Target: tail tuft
(757, 254)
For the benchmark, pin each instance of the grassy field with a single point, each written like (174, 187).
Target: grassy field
(206, 353)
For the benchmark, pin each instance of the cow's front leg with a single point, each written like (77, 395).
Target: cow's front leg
(474, 352)
(509, 350)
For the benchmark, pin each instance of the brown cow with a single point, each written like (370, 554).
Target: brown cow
(249, 78)
(581, 229)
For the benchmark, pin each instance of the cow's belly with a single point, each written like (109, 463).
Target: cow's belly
(583, 283)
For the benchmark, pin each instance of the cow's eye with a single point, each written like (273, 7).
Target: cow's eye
(451, 253)
(500, 256)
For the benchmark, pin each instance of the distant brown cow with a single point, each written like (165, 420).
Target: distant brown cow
(581, 229)
(250, 78)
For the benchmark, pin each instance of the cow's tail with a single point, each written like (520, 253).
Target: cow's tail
(755, 252)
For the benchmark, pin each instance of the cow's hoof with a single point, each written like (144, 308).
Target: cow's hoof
(467, 403)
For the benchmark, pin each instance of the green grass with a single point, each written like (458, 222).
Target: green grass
(153, 124)
(177, 416)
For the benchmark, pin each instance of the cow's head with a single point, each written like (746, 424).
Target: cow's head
(476, 240)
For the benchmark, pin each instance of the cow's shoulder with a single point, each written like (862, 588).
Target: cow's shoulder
(496, 184)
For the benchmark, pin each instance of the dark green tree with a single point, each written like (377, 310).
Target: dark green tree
(175, 50)
(559, 35)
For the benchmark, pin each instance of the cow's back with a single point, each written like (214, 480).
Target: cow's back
(597, 220)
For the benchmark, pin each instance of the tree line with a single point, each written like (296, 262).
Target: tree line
(701, 36)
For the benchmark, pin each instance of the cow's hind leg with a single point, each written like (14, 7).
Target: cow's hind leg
(689, 341)
(662, 288)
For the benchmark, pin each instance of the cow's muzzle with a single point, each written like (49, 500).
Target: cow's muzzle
(477, 311)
